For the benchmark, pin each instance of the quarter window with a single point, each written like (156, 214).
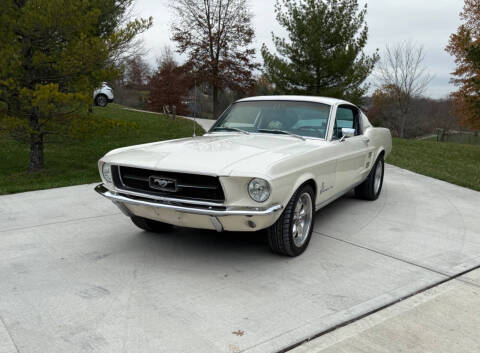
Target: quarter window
(346, 117)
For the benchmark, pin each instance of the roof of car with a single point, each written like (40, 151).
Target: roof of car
(324, 100)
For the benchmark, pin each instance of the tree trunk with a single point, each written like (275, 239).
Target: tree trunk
(215, 102)
(36, 152)
(403, 121)
(317, 81)
(402, 128)
(36, 144)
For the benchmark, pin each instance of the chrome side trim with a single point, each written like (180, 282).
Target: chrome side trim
(113, 196)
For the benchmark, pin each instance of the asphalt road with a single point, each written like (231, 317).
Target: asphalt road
(77, 276)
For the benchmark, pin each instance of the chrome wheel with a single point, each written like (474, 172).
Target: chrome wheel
(302, 219)
(378, 177)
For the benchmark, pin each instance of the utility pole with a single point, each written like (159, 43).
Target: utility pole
(195, 108)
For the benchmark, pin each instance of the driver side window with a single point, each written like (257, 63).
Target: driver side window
(346, 117)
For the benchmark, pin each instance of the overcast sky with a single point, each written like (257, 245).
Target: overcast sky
(427, 22)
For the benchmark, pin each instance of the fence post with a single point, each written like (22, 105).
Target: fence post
(442, 135)
(174, 111)
(166, 111)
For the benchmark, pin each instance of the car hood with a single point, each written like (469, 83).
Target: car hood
(216, 154)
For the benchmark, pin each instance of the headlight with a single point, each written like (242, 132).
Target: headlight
(259, 189)
(107, 172)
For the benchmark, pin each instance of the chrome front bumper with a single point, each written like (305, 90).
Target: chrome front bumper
(184, 207)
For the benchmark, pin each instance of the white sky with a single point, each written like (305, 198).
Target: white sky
(427, 22)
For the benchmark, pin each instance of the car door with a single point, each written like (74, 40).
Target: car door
(351, 151)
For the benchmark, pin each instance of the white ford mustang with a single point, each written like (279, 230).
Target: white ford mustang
(268, 162)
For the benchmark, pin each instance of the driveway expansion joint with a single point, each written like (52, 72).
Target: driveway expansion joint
(385, 254)
(2, 322)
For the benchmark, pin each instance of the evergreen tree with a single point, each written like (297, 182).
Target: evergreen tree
(324, 54)
(53, 53)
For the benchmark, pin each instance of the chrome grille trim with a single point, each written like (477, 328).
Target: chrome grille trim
(135, 182)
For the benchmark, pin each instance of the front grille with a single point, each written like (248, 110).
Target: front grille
(168, 184)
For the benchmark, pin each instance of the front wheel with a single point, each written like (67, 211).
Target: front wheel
(291, 233)
(370, 189)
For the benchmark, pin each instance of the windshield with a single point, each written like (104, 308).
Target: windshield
(288, 117)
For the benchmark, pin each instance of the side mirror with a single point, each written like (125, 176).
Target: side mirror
(347, 132)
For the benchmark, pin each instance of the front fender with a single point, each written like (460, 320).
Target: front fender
(302, 179)
(286, 186)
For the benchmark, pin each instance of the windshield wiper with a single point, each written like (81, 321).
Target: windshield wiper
(275, 131)
(231, 129)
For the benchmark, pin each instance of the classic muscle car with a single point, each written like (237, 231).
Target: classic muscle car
(267, 163)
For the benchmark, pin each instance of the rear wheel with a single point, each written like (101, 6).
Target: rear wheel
(150, 225)
(291, 233)
(101, 100)
(370, 189)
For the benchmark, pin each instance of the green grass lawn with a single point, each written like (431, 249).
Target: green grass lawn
(465, 138)
(76, 162)
(452, 162)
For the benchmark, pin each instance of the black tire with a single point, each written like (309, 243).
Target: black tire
(101, 100)
(280, 234)
(151, 225)
(367, 189)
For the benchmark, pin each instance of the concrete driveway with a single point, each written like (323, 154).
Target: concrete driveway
(77, 276)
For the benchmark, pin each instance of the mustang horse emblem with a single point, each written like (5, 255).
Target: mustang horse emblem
(162, 183)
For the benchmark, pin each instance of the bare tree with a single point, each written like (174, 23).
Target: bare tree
(216, 35)
(402, 73)
(426, 115)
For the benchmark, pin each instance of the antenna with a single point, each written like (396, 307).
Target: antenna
(195, 108)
